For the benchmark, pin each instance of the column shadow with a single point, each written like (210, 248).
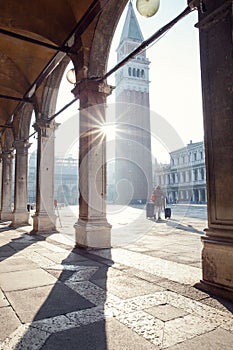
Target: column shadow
(66, 310)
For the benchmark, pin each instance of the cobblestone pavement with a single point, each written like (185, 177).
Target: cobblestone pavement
(141, 294)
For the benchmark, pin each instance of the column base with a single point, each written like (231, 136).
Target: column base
(93, 235)
(215, 289)
(5, 216)
(217, 262)
(44, 223)
(20, 218)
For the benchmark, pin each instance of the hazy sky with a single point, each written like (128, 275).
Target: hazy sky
(175, 88)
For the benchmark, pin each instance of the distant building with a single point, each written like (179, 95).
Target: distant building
(65, 180)
(184, 179)
(32, 159)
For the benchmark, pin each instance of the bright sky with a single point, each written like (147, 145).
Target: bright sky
(175, 88)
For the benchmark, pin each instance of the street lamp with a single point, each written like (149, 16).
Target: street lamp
(147, 8)
(70, 76)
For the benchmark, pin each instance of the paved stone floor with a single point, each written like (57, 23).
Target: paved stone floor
(141, 294)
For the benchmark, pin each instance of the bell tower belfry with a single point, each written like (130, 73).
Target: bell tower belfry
(133, 137)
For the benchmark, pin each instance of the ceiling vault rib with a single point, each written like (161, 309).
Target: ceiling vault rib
(34, 41)
(92, 12)
(14, 98)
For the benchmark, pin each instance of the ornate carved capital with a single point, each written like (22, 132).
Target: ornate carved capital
(22, 146)
(92, 86)
(45, 127)
(210, 19)
(7, 156)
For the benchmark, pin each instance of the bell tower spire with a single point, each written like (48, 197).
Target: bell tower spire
(133, 140)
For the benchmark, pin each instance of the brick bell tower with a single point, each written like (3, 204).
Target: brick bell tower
(133, 138)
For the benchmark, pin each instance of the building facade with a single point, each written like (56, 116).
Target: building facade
(65, 180)
(184, 179)
(133, 138)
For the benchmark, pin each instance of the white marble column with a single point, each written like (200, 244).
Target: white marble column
(92, 229)
(6, 199)
(20, 214)
(44, 220)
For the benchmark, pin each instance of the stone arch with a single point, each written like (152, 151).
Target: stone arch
(102, 38)
(7, 140)
(47, 103)
(22, 120)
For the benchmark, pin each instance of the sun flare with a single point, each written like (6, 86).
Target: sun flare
(109, 130)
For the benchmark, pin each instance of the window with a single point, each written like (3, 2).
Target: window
(142, 73)
(134, 72)
(202, 173)
(129, 71)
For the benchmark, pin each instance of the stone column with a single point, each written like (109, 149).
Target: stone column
(92, 229)
(44, 220)
(20, 214)
(6, 199)
(215, 28)
(0, 182)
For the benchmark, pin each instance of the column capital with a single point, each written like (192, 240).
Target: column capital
(7, 155)
(22, 146)
(94, 86)
(45, 126)
(213, 13)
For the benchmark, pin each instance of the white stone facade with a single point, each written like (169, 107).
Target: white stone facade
(184, 179)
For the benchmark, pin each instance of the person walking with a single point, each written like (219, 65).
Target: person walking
(159, 202)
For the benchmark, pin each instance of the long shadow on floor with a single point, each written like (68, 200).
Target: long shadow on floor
(66, 310)
(177, 225)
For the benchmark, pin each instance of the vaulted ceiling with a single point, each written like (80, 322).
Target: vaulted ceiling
(34, 36)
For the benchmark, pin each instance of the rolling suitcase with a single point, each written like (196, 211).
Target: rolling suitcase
(149, 209)
(167, 213)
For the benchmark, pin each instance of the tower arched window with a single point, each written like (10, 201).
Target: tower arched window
(142, 73)
(138, 73)
(129, 71)
(134, 72)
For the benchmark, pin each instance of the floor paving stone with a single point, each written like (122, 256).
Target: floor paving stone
(140, 295)
(3, 300)
(16, 263)
(48, 301)
(88, 290)
(161, 267)
(126, 286)
(18, 280)
(166, 312)
(144, 325)
(101, 335)
(145, 275)
(215, 340)
(185, 290)
(25, 338)
(54, 324)
(180, 329)
(9, 322)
